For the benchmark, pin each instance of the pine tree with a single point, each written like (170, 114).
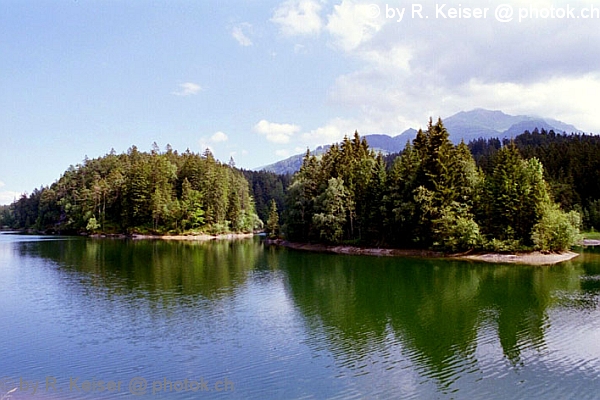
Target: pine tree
(272, 228)
(329, 222)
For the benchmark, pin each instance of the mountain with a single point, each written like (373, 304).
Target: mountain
(471, 125)
(292, 164)
(465, 125)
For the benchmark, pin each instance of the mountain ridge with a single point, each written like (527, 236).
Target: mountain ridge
(464, 125)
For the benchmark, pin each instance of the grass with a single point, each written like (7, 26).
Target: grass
(593, 235)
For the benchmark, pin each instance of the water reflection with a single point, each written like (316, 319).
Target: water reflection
(300, 325)
(437, 312)
(209, 269)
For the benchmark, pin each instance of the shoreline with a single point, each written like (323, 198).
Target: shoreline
(532, 258)
(590, 242)
(199, 238)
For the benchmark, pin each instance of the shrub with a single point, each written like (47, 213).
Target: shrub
(556, 230)
(456, 232)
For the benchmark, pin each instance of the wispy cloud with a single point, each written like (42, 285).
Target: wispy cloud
(219, 137)
(353, 24)
(240, 33)
(298, 17)
(187, 89)
(209, 142)
(274, 132)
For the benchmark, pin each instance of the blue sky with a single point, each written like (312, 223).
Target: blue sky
(261, 80)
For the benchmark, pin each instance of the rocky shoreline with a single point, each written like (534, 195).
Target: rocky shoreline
(532, 258)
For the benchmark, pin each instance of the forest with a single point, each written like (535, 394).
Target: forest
(432, 196)
(140, 192)
(571, 167)
(532, 192)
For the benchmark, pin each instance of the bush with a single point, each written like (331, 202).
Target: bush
(556, 230)
(456, 232)
(92, 225)
(504, 246)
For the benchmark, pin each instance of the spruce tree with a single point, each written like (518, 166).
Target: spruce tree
(272, 227)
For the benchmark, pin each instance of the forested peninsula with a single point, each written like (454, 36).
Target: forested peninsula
(531, 193)
(434, 196)
(143, 193)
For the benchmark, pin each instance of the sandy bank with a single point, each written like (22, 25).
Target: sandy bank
(534, 258)
(199, 238)
(356, 250)
(590, 242)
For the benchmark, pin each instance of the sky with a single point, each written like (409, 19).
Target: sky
(261, 80)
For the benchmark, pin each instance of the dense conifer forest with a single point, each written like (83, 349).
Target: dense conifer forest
(433, 196)
(533, 192)
(143, 193)
(571, 167)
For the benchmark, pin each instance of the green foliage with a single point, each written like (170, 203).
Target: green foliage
(433, 196)
(427, 180)
(267, 186)
(272, 227)
(514, 199)
(92, 225)
(571, 167)
(593, 235)
(503, 246)
(592, 214)
(6, 217)
(556, 230)
(142, 192)
(192, 214)
(456, 230)
(321, 209)
(332, 204)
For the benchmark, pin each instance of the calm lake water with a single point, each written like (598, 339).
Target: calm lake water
(117, 319)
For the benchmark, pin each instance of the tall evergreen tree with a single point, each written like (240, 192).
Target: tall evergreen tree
(272, 227)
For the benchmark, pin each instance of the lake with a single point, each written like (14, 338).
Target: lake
(128, 319)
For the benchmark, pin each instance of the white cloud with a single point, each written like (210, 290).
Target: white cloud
(240, 33)
(218, 137)
(2, 184)
(8, 197)
(571, 100)
(333, 131)
(188, 89)
(353, 23)
(274, 132)
(412, 70)
(208, 142)
(298, 18)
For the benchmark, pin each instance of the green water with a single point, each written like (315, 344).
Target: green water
(115, 319)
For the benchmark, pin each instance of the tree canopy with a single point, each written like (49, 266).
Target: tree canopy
(432, 196)
(154, 192)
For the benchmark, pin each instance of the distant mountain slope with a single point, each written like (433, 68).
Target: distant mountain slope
(378, 142)
(465, 125)
(470, 125)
